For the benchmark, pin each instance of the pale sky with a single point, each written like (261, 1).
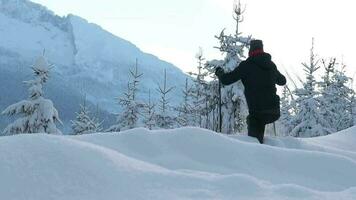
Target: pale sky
(174, 29)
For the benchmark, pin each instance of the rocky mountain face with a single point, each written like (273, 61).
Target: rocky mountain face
(87, 60)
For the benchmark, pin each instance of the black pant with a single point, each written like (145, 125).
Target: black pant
(256, 123)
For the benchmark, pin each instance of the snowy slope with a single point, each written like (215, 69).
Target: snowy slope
(87, 59)
(186, 163)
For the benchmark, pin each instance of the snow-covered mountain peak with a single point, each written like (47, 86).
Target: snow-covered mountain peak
(29, 12)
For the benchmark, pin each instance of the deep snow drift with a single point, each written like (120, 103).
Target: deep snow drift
(187, 163)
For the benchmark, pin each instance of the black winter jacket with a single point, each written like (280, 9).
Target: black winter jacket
(259, 76)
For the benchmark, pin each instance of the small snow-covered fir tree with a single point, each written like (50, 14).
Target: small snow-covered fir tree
(149, 113)
(203, 95)
(326, 99)
(336, 96)
(198, 92)
(308, 121)
(212, 92)
(163, 117)
(129, 118)
(186, 113)
(37, 114)
(84, 123)
(213, 100)
(233, 104)
(286, 115)
(345, 94)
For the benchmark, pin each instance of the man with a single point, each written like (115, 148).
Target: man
(259, 76)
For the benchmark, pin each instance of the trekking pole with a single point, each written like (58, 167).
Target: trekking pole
(220, 114)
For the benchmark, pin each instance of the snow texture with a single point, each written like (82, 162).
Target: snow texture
(187, 163)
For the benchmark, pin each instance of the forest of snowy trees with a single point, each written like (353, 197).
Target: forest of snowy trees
(319, 103)
(319, 107)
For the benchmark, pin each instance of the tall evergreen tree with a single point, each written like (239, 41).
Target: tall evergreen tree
(37, 114)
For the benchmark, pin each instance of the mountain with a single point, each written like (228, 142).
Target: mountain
(87, 60)
(187, 163)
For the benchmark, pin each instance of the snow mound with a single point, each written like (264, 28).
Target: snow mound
(187, 163)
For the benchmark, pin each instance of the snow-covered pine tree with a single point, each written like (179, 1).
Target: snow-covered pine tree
(336, 96)
(37, 114)
(163, 117)
(353, 107)
(308, 121)
(209, 104)
(349, 100)
(129, 118)
(84, 123)
(329, 67)
(213, 105)
(286, 115)
(326, 99)
(198, 92)
(149, 114)
(96, 119)
(186, 112)
(212, 92)
(234, 107)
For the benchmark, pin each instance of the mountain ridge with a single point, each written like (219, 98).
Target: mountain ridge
(87, 58)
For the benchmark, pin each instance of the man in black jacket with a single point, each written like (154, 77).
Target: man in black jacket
(259, 76)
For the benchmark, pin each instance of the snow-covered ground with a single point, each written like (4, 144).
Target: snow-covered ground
(187, 163)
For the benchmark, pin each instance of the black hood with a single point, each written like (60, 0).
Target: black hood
(262, 60)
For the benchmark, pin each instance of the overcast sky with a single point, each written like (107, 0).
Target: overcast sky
(174, 29)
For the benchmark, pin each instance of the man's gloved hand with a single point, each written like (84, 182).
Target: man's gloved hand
(219, 71)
